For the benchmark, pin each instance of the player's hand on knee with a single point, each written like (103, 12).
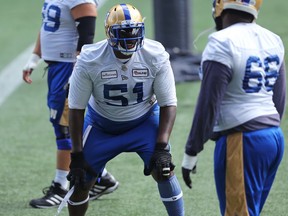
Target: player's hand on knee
(161, 161)
(78, 170)
(188, 166)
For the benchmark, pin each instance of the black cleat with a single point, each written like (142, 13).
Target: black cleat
(53, 196)
(107, 185)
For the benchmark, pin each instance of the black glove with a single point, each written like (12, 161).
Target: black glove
(186, 176)
(161, 160)
(188, 165)
(78, 169)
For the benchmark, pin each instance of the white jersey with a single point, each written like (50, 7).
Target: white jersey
(255, 55)
(59, 35)
(122, 92)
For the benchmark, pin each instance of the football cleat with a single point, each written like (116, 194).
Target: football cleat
(124, 28)
(53, 196)
(106, 185)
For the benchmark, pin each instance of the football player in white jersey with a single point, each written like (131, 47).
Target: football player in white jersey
(240, 106)
(66, 27)
(127, 84)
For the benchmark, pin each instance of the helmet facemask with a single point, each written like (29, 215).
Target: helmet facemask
(126, 38)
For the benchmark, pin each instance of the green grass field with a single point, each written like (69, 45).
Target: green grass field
(27, 155)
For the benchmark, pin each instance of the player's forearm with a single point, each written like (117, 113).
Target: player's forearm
(279, 93)
(167, 119)
(37, 48)
(216, 77)
(76, 121)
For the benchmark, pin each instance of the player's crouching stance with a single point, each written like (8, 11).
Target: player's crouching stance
(129, 91)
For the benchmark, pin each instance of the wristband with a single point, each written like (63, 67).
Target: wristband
(162, 146)
(189, 162)
(77, 156)
(32, 62)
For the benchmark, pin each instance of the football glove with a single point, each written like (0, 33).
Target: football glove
(78, 169)
(188, 165)
(161, 160)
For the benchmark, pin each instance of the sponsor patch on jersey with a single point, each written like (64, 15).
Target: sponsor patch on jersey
(140, 72)
(109, 74)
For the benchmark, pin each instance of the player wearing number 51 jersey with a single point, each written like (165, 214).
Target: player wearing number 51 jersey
(122, 91)
(240, 106)
(128, 85)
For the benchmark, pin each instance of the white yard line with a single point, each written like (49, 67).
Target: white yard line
(11, 75)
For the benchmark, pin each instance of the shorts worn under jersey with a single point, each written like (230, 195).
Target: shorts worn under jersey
(123, 113)
(58, 77)
(237, 158)
(102, 144)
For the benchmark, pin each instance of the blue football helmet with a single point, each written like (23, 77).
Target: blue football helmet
(124, 28)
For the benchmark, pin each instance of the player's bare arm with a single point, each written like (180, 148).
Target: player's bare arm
(167, 119)
(32, 62)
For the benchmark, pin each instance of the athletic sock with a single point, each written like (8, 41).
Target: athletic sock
(60, 178)
(171, 196)
(104, 172)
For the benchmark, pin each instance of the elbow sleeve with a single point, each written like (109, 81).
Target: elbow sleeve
(86, 30)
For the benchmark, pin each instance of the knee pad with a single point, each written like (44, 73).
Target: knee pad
(61, 132)
(64, 144)
(62, 137)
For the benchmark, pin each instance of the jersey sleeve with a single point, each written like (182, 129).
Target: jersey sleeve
(80, 87)
(215, 80)
(164, 85)
(74, 3)
(279, 92)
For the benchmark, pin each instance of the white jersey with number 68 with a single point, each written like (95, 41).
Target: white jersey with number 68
(255, 71)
